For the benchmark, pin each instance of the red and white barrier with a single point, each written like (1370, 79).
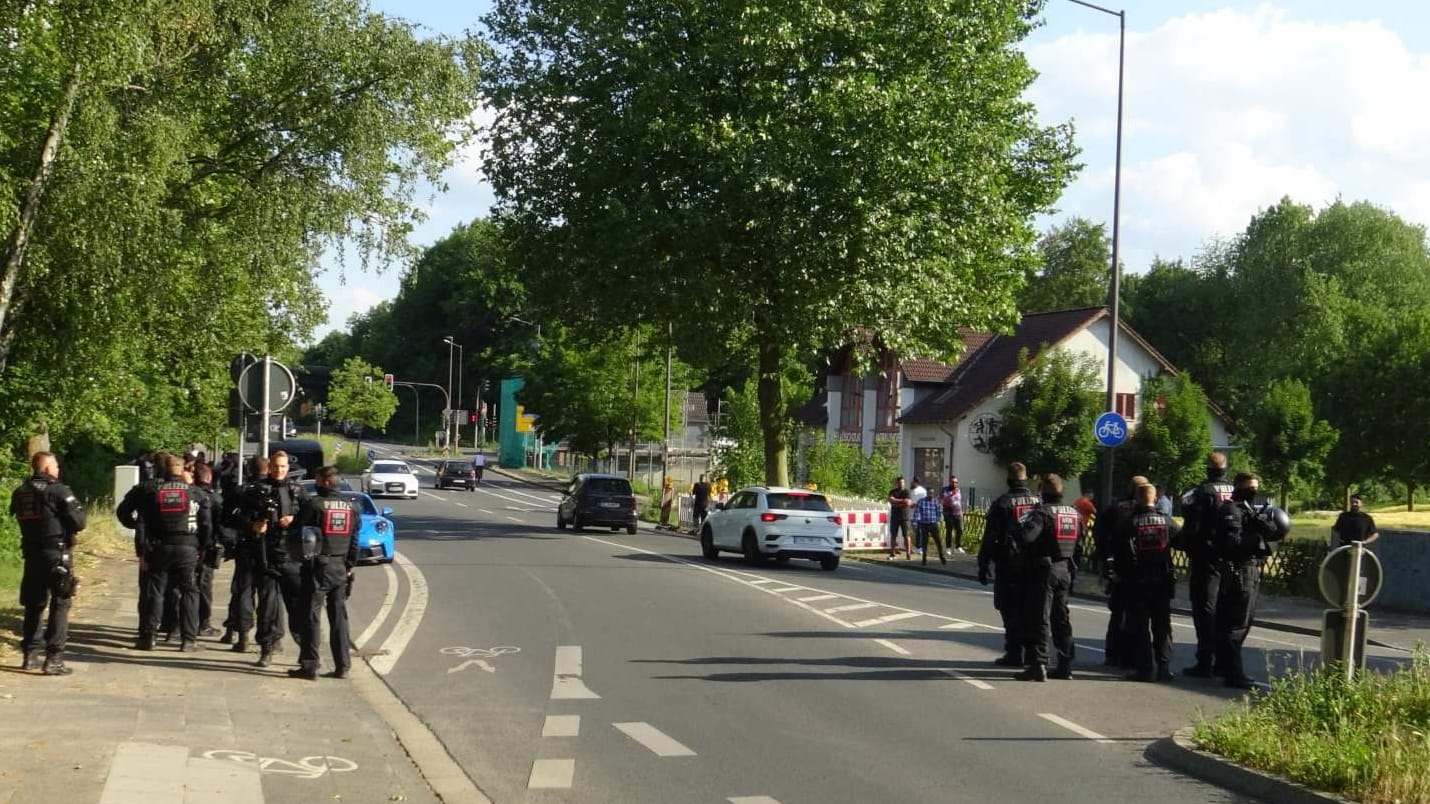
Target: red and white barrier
(865, 530)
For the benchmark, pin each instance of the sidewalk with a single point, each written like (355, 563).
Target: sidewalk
(1388, 629)
(170, 728)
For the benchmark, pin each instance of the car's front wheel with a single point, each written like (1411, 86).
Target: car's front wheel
(576, 523)
(707, 544)
(560, 521)
(829, 563)
(630, 530)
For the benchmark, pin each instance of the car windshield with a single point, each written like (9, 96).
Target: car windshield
(363, 502)
(608, 485)
(796, 501)
(391, 469)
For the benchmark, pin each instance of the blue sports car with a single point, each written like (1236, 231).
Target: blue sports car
(377, 537)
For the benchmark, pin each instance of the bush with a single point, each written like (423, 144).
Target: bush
(844, 469)
(1368, 738)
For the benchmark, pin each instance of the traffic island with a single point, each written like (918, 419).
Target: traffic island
(1318, 737)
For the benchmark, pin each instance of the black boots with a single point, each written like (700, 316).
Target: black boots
(265, 656)
(227, 638)
(30, 662)
(55, 666)
(145, 642)
(1035, 672)
(189, 646)
(306, 673)
(1198, 670)
(1063, 672)
(1009, 660)
(241, 646)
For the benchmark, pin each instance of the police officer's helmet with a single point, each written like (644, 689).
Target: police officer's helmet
(1277, 520)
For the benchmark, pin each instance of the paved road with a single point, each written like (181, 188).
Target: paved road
(600, 667)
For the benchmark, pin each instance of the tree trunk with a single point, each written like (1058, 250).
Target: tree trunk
(772, 413)
(1410, 496)
(1285, 492)
(20, 237)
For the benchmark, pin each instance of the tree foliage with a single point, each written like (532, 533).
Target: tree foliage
(1048, 426)
(1171, 442)
(1287, 441)
(213, 150)
(801, 168)
(359, 395)
(1075, 260)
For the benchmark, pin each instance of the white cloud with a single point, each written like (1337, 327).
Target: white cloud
(1228, 111)
(346, 301)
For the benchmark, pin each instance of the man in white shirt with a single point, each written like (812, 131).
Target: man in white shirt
(479, 464)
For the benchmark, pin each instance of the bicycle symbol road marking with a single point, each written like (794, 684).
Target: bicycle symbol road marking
(477, 656)
(305, 768)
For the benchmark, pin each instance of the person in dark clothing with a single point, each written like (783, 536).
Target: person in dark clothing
(176, 530)
(326, 574)
(1105, 531)
(243, 508)
(280, 579)
(128, 513)
(1354, 525)
(1051, 536)
(1243, 542)
(50, 518)
(212, 558)
(901, 507)
(952, 498)
(999, 552)
(1199, 524)
(700, 494)
(1143, 554)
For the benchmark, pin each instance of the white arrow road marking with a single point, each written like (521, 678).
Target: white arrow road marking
(482, 663)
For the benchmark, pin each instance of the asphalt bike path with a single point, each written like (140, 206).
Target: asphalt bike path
(718, 682)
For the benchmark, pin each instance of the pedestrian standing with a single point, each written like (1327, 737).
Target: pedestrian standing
(1245, 538)
(1354, 525)
(1199, 522)
(1164, 503)
(280, 581)
(1108, 524)
(700, 501)
(1051, 535)
(176, 522)
(326, 575)
(129, 514)
(1143, 553)
(927, 513)
(900, 516)
(1000, 552)
(50, 520)
(213, 555)
(952, 498)
(243, 510)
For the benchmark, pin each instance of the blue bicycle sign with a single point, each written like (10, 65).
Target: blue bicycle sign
(1111, 429)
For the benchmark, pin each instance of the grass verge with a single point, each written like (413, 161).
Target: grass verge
(1367, 739)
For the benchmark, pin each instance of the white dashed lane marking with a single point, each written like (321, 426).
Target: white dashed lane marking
(784, 589)
(657, 741)
(1075, 728)
(566, 684)
(752, 800)
(561, 726)
(971, 681)
(551, 774)
(852, 607)
(813, 598)
(959, 626)
(891, 618)
(893, 647)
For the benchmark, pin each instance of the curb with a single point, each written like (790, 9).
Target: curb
(1179, 752)
(1269, 625)
(434, 764)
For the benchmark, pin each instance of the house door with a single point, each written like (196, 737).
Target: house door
(928, 465)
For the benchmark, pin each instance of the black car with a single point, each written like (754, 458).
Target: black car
(456, 473)
(598, 500)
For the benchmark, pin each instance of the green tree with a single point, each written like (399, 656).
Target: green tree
(359, 395)
(738, 441)
(1171, 442)
(1048, 427)
(795, 169)
(1287, 441)
(1074, 271)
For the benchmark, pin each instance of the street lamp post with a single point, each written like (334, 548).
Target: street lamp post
(1114, 291)
(447, 417)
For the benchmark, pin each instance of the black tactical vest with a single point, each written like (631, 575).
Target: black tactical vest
(338, 521)
(1062, 523)
(1152, 533)
(39, 527)
(178, 510)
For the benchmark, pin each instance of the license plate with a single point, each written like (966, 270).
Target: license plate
(807, 540)
(610, 505)
(395, 487)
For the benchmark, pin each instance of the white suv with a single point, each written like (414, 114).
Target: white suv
(776, 523)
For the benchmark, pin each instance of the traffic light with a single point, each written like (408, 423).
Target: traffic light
(388, 379)
(471, 417)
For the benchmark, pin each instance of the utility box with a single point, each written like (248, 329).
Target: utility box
(125, 478)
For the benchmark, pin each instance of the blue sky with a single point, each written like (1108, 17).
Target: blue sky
(1229, 106)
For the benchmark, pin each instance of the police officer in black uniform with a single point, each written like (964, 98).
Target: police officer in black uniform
(49, 517)
(999, 551)
(175, 530)
(129, 511)
(212, 558)
(1143, 555)
(1245, 538)
(1106, 532)
(243, 508)
(1199, 524)
(334, 520)
(1052, 544)
(279, 576)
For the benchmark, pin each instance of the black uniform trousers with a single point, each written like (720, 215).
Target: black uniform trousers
(290, 583)
(204, 580)
(325, 584)
(1008, 599)
(1045, 611)
(35, 596)
(143, 596)
(1149, 619)
(1235, 609)
(1118, 645)
(1204, 589)
(241, 591)
(176, 561)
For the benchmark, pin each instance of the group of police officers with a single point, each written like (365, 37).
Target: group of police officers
(293, 556)
(1032, 547)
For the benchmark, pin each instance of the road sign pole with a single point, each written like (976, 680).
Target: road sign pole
(242, 437)
(1348, 649)
(267, 389)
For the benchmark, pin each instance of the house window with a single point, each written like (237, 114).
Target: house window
(887, 410)
(851, 404)
(1127, 406)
